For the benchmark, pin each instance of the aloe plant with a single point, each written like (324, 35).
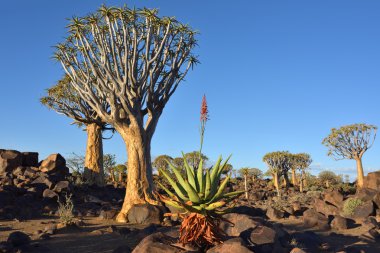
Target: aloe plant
(202, 196)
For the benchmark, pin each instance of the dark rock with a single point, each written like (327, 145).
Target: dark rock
(30, 159)
(9, 160)
(335, 198)
(145, 214)
(311, 218)
(107, 214)
(230, 246)
(372, 180)
(30, 172)
(122, 249)
(50, 229)
(61, 186)
(54, 163)
(339, 223)
(49, 194)
(362, 211)
(17, 239)
(157, 243)
(376, 200)
(325, 208)
(262, 235)
(6, 247)
(42, 180)
(274, 214)
(251, 211)
(238, 223)
(297, 250)
(365, 194)
(18, 171)
(370, 223)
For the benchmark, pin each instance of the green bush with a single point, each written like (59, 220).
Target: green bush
(350, 205)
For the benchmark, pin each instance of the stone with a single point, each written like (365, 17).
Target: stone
(339, 223)
(296, 206)
(262, 235)
(334, 198)
(30, 159)
(107, 214)
(372, 180)
(49, 194)
(248, 210)
(42, 180)
(361, 212)
(145, 214)
(30, 172)
(17, 239)
(238, 223)
(9, 160)
(376, 200)
(325, 208)
(54, 163)
(274, 214)
(370, 223)
(61, 186)
(311, 218)
(310, 241)
(157, 243)
(230, 246)
(50, 229)
(365, 194)
(297, 250)
(18, 171)
(122, 249)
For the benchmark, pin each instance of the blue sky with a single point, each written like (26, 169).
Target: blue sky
(277, 75)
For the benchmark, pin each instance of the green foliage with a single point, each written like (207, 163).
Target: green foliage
(351, 141)
(278, 162)
(200, 191)
(65, 210)
(160, 162)
(350, 205)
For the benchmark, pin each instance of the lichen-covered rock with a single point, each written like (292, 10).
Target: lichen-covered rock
(145, 214)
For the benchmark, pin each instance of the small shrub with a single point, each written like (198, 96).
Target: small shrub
(65, 210)
(350, 205)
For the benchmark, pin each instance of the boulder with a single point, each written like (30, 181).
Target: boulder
(236, 223)
(310, 241)
(30, 159)
(230, 246)
(145, 214)
(157, 243)
(325, 208)
(49, 194)
(262, 235)
(361, 212)
(311, 218)
(54, 163)
(42, 180)
(61, 186)
(30, 172)
(274, 214)
(372, 180)
(107, 214)
(18, 238)
(339, 223)
(334, 198)
(9, 160)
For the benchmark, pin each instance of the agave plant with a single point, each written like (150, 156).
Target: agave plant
(203, 198)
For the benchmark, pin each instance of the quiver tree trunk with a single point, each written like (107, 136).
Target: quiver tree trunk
(359, 168)
(276, 183)
(286, 180)
(139, 189)
(245, 187)
(93, 171)
(302, 181)
(294, 178)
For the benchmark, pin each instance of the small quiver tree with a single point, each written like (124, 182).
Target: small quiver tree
(64, 99)
(276, 162)
(302, 161)
(351, 142)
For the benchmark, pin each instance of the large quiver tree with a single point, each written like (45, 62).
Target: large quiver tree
(64, 99)
(277, 164)
(351, 142)
(134, 61)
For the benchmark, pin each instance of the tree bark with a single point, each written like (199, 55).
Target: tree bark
(245, 186)
(139, 189)
(94, 155)
(301, 181)
(294, 178)
(359, 168)
(276, 183)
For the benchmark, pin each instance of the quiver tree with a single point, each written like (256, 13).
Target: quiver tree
(161, 163)
(64, 99)
(301, 162)
(277, 163)
(244, 172)
(134, 61)
(351, 142)
(328, 178)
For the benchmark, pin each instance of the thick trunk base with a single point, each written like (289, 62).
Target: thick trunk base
(139, 188)
(359, 168)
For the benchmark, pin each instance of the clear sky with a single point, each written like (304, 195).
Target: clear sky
(277, 75)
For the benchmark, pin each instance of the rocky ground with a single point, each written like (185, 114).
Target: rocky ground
(296, 222)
